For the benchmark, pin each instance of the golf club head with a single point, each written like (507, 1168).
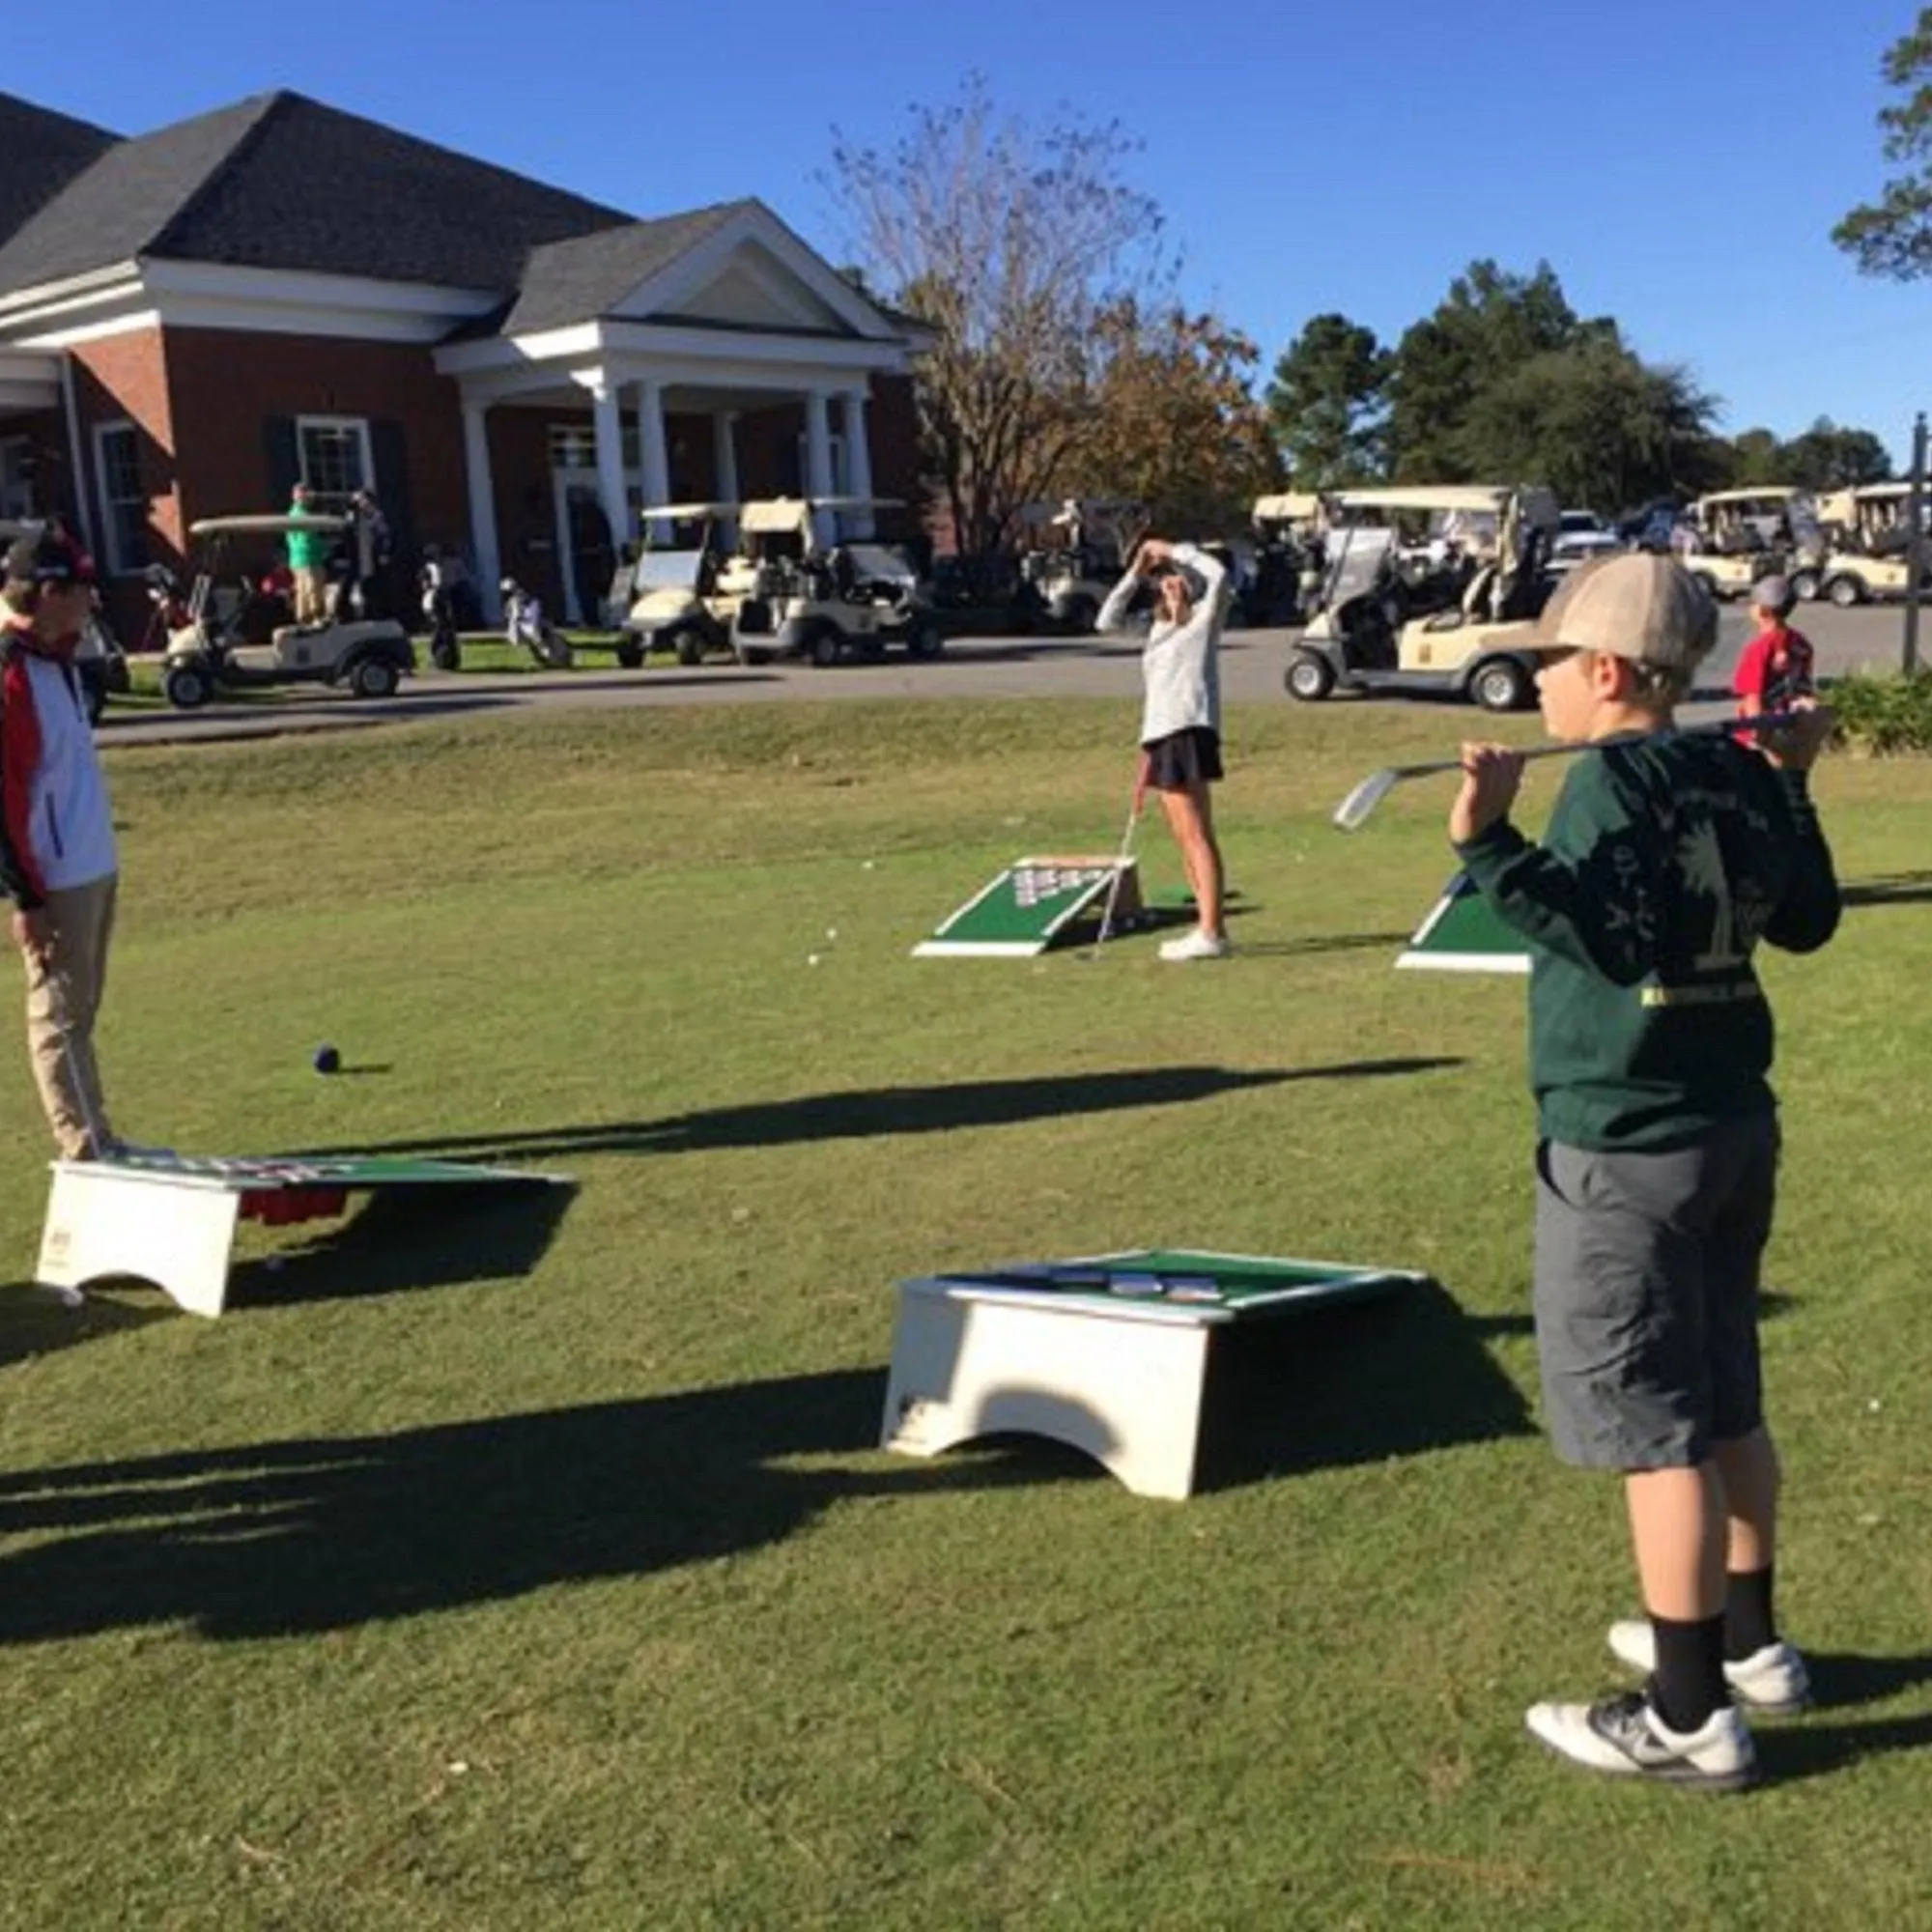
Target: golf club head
(1363, 800)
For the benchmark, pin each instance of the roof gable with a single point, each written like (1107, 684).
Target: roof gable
(43, 153)
(590, 276)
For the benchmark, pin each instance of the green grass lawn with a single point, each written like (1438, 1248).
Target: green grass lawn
(536, 1567)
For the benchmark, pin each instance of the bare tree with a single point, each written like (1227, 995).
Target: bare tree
(1007, 242)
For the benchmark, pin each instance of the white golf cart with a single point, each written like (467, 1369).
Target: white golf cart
(99, 660)
(1742, 535)
(686, 583)
(231, 641)
(1072, 555)
(1430, 592)
(1868, 548)
(1289, 534)
(823, 600)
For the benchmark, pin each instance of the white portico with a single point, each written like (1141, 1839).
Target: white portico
(724, 317)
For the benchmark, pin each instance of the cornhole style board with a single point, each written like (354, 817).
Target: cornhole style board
(1030, 903)
(1463, 933)
(170, 1219)
(1108, 1352)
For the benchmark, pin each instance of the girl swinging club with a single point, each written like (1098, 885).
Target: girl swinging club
(1180, 717)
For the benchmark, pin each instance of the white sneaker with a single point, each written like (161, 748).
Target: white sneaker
(1770, 1683)
(1624, 1737)
(1195, 945)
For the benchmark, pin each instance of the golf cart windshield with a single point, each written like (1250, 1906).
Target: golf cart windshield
(881, 562)
(669, 569)
(1361, 554)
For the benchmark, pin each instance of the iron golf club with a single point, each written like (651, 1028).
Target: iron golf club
(1124, 857)
(1355, 809)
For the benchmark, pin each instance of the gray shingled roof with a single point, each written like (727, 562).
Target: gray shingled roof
(281, 181)
(578, 280)
(41, 153)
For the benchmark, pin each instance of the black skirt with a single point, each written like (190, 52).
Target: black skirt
(1183, 759)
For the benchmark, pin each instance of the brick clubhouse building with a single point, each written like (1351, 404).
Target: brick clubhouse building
(193, 320)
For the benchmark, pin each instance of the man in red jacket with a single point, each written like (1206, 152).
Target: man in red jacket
(57, 859)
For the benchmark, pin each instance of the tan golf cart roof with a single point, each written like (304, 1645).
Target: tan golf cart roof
(790, 513)
(1429, 497)
(1291, 507)
(266, 525)
(685, 512)
(1763, 493)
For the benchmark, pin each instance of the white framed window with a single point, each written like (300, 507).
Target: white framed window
(123, 498)
(333, 458)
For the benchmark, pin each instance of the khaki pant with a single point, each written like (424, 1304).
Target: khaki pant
(63, 999)
(311, 594)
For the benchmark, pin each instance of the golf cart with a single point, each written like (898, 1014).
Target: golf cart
(685, 587)
(1866, 549)
(811, 599)
(1072, 555)
(1287, 546)
(1430, 592)
(231, 640)
(1741, 535)
(99, 660)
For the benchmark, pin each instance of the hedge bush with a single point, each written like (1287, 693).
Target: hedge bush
(1883, 714)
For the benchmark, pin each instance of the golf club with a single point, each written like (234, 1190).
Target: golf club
(1125, 858)
(1355, 809)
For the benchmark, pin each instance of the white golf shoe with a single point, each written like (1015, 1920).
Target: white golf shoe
(1195, 945)
(1770, 1683)
(1624, 1737)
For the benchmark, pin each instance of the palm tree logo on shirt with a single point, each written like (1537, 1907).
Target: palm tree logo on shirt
(1702, 859)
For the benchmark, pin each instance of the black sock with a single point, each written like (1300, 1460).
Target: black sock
(1689, 1680)
(1748, 1625)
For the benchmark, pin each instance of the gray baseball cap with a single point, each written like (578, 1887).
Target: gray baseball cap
(1772, 593)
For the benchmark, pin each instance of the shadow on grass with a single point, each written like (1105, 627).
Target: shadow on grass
(1816, 1751)
(422, 1237)
(284, 1538)
(870, 1112)
(1890, 889)
(34, 1321)
(1403, 1375)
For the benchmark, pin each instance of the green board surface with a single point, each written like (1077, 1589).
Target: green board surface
(1464, 934)
(1024, 909)
(1191, 1277)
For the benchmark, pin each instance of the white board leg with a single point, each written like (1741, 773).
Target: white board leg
(1127, 1393)
(101, 1224)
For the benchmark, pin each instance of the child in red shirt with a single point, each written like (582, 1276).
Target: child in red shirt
(1774, 671)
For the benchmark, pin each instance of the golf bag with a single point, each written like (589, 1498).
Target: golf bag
(525, 624)
(438, 607)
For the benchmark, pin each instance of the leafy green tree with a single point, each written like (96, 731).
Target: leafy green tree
(1828, 457)
(1489, 324)
(1326, 404)
(1893, 236)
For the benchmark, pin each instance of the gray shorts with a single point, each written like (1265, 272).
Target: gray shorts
(1647, 1296)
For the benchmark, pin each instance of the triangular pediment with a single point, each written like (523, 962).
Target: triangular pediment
(749, 288)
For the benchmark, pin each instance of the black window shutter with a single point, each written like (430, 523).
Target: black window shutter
(284, 461)
(389, 448)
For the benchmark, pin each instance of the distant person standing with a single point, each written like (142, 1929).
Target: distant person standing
(1776, 667)
(308, 560)
(370, 550)
(1181, 716)
(57, 858)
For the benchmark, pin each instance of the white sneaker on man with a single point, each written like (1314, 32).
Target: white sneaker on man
(1624, 1737)
(1770, 1683)
(1195, 945)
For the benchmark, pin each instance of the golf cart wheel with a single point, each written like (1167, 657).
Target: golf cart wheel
(1501, 685)
(375, 677)
(1804, 586)
(1845, 592)
(631, 654)
(188, 688)
(1310, 676)
(824, 648)
(689, 646)
(924, 641)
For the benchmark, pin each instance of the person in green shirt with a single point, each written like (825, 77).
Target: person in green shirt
(308, 558)
(1667, 858)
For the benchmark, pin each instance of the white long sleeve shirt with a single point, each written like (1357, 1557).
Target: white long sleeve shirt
(1180, 668)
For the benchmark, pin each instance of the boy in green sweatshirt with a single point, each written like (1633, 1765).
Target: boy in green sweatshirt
(1667, 858)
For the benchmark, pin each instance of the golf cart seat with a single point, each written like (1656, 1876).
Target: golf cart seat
(1477, 597)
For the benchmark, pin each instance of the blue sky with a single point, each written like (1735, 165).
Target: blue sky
(1680, 165)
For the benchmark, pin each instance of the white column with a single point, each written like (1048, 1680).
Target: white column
(608, 418)
(819, 458)
(725, 463)
(858, 458)
(655, 457)
(482, 510)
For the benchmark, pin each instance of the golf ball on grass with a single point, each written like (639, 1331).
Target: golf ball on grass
(328, 1059)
